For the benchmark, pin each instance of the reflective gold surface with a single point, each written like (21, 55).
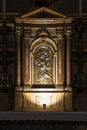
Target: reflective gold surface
(43, 66)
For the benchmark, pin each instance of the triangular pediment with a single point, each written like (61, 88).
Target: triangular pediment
(43, 12)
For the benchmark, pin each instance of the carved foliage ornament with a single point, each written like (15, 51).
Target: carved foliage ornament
(27, 32)
(60, 33)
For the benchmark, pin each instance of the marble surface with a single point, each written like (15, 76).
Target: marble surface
(49, 116)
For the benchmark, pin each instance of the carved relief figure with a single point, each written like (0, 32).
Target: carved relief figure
(43, 66)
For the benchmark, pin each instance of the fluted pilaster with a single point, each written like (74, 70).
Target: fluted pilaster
(27, 32)
(68, 61)
(61, 55)
(18, 37)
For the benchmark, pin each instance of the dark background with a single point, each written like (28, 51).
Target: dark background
(67, 7)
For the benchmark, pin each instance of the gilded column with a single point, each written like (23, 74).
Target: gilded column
(18, 37)
(26, 55)
(60, 44)
(68, 62)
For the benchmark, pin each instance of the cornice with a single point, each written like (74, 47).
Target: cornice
(43, 21)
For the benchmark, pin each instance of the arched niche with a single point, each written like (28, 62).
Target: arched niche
(43, 62)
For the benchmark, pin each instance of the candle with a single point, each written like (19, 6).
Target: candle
(80, 8)
(4, 9)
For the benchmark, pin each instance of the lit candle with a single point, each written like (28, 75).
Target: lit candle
(4, 9)
(80, 8)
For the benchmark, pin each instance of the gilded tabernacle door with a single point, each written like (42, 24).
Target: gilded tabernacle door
(43, 66)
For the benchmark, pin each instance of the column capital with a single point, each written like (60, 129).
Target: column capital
(18, 32)
(27, 33)
(60, 33)
(68, 32)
